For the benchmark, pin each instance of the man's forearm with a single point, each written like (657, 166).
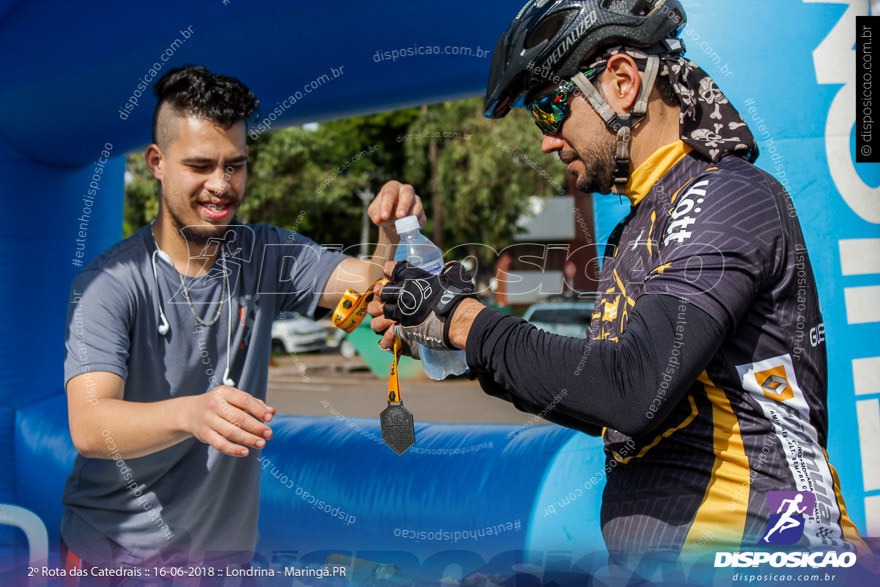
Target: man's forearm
(358, 274)
(114, 428)
(462, 319)
(106, 426)
(597, 382)
(384, 251)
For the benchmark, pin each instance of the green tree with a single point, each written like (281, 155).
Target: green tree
(310, 179)
(483, 171)
(291, 183)
(141, 204)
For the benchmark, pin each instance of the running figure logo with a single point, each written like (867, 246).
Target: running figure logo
(786, 526)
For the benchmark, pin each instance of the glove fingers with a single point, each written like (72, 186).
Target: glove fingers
(455, 274)
(390, 293)
(402, 271)
(392, 312)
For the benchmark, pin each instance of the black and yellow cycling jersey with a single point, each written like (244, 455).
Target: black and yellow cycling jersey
(724, 237)
(705, 370)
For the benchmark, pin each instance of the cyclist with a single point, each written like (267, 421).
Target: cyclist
(697, 372)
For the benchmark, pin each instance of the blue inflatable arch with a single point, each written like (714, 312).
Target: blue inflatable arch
(75, 98)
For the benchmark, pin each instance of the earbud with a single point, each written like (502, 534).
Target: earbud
(164, 327)
(164, 256)
(227, 380)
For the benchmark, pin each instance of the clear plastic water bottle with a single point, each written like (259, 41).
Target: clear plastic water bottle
(420, 252)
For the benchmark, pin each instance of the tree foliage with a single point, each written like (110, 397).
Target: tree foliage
(485, 172)
(141, 204)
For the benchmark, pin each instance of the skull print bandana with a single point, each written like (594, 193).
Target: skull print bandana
(709, 123)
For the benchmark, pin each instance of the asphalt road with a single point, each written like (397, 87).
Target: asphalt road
(299, 383)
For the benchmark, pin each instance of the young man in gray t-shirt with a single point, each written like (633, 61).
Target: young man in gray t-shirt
(168, 343)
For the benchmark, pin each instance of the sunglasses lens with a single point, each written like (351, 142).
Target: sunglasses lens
(550, 111)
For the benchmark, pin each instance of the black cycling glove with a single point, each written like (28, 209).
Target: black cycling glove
(421, 303)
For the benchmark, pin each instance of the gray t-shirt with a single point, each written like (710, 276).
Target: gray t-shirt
(188, 502)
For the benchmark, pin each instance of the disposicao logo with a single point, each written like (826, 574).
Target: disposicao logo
(786, 526)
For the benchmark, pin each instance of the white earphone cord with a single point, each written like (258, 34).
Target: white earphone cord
(227, 380)
(164, 327)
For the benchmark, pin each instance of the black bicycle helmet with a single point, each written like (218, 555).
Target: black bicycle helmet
(549, 39)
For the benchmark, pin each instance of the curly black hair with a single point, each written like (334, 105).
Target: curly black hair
(194, 90)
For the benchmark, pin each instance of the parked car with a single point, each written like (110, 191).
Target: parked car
(339, 340)
(293, 333)
(565, 318)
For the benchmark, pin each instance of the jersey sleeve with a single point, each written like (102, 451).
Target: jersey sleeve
(719, 246)
(631, 385)
(99, 316)
(296, 269)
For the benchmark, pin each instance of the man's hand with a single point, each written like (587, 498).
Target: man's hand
(105, 426)
(229, 419)
(421, 304)
(395, 200)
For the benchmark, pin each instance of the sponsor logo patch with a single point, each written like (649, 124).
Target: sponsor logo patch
(774, 383)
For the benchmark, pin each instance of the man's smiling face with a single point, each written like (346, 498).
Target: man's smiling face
(202, 172)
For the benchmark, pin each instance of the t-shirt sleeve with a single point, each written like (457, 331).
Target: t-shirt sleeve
(297, 269)
(99, 316)
(719, 245)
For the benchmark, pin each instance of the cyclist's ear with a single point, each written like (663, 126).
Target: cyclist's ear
(620, 82)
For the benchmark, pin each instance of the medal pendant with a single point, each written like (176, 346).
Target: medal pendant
(398, 429)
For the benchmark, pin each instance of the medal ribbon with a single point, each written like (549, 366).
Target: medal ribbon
(393, 381)
(348, 315)
(352, 308)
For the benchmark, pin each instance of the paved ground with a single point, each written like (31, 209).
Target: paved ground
(298, 384)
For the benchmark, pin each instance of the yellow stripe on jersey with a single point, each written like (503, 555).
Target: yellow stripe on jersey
(665, 434)
(721, 517)
(679, 190)
(850, 532)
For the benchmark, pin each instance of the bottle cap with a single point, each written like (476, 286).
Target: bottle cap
(407, 224)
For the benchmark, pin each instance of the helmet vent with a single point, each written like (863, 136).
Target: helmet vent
(643, 7)
(629, 7)
(546, 29)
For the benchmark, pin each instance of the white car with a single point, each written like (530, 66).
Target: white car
(565, 318)
(339, 340)
(293, 333)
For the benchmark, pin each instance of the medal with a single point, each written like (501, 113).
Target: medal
(398, 430)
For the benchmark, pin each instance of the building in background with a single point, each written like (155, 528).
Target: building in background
(555, 255)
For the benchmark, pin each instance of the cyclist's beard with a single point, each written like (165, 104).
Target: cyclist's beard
(598, 161)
